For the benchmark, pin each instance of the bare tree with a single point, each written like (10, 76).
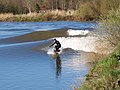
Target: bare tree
(52, 4)
(28, 4)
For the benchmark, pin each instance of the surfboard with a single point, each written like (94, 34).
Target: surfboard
(54, 54)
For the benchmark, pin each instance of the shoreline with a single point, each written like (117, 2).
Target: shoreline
(47, 16)
(105, 74)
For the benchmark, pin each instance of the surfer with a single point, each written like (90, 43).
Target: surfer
(57, 45)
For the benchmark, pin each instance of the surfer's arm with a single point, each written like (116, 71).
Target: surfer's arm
(52, 44)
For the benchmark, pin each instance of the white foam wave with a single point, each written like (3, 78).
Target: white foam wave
(76, 43)
(77, 32)
(51, 51)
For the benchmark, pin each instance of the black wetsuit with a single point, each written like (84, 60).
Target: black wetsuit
(57, 46)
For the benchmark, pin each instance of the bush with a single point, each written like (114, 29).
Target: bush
(109, 30)
(105, 74)
(86, 12)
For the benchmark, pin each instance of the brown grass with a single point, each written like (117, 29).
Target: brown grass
(5, 16)
(48, 15)
(91, 57)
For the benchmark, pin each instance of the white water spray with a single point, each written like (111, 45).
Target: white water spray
(77, 32)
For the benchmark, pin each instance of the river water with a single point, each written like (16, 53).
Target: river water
(24, 60)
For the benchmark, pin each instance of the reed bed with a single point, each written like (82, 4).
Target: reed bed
(48, 15)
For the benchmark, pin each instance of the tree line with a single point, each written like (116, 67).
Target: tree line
(85, 9)
(27, 6)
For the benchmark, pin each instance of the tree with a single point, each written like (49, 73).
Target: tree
(37, 8)
(28, 5)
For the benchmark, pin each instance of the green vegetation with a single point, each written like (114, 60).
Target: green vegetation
(105, 75)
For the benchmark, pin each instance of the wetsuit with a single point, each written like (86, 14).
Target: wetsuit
(57, 46)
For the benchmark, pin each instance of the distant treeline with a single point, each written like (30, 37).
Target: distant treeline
(26, 6)
(86, 10)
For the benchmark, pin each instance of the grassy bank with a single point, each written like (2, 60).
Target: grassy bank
(33, 17)
(56, 15)
(105, 75)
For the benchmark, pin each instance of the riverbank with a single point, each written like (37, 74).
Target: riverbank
(33, 17)
(42, 16)
(105, 75)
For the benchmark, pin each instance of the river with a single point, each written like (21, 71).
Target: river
(24, 60)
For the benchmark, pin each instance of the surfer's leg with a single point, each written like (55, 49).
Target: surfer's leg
(57, 49)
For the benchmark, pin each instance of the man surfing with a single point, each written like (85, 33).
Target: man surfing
(57, 45)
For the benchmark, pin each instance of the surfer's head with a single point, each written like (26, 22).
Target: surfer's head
(55, 40)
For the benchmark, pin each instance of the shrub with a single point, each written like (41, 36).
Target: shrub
(105, 74)
(109, 29)
(86, 11)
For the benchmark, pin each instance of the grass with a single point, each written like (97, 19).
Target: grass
(56, 15)
(5, 16)
(105, 75)
(42, 16)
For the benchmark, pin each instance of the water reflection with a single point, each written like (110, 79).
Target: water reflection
(58, 66)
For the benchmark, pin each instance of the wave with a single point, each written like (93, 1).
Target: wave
(86, 44)
(69, 38)
(72, 32)
(43, 35)
(34, 36)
